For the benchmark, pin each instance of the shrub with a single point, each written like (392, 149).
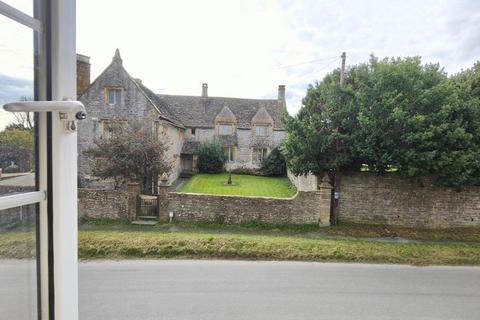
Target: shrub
(274, 164)
(246, 171)
(211, 157)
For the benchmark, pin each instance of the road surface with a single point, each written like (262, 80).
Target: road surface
(173, 289)
(275, 290)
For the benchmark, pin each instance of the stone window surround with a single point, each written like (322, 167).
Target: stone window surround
(230, 153)
(255, 154)
(219, 126)
(107, 90)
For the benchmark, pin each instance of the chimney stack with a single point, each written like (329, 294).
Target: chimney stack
(281, 97)
(83, 73)
(204, 90)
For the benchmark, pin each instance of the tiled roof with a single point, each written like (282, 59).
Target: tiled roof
(195, 111)
(162, 108)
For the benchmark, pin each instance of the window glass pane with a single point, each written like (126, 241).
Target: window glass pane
(17, 130)
(111, 96)
(118, 96)
(225, 129)
(18, 276)
(26, 6)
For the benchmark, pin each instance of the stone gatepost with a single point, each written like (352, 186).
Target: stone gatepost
(133, 189)
(163, 198)
(325, 201)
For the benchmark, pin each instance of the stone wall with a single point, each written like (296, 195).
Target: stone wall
(303, 208)
(367, 198)
(304, 182)
(103, 203)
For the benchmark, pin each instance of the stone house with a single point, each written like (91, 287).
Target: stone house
(248, 129)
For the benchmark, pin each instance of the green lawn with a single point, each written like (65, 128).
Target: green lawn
(245, 185)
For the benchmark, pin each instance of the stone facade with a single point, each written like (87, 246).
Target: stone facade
(134, 105)
(367, 198)
(183, 122)
(303, 208)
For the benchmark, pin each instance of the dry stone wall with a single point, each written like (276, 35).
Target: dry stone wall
(304, 208)
(103, 203)
(368, 198)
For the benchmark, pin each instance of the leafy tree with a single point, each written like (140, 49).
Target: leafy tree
(130, 152)
(17, 146)
(274, 164)
(390, 113)
(211, 157)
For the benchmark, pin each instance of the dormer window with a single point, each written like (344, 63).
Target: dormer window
(225, 129)
(113, 96)
(261, 131)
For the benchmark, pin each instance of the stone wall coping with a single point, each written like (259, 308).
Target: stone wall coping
(237, 196)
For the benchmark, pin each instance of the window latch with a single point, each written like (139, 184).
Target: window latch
(69, 111)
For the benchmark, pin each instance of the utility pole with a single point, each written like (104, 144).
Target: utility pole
(342, 69)
(337, 173)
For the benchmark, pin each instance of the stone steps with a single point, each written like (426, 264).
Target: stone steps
(147, 218)
(144, 223)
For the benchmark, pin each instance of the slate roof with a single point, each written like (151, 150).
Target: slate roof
(165, 112)
(196, 111)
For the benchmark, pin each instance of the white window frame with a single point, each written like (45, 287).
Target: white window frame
(115, 91)
(57, 154)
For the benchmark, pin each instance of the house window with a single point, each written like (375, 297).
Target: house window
(113, 96)
(261, 131)
(193, 132)
(225, 129)
(229, 154)
(259, 154)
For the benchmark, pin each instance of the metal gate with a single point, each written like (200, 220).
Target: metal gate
(147, 206)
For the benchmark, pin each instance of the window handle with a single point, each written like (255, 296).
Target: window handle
(69, 110)
(66, 106)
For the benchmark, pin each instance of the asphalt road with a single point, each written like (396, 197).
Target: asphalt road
(275, 290)
(172, 289)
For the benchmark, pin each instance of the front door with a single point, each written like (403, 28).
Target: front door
(187, 163)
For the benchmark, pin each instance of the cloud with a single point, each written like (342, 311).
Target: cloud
(12, 89)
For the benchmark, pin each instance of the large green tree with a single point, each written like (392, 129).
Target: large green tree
(393, 113)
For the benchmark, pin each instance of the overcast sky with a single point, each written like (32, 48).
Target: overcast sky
(247, 48)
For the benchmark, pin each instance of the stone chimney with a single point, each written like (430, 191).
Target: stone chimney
(83, 73)
(281, 97)
(204, 90)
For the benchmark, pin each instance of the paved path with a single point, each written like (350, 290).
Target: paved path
(212, 290)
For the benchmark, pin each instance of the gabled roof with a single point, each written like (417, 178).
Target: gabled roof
(196, 111)
(163, 110)
(262, 116)
(226, 115)
(114, 69)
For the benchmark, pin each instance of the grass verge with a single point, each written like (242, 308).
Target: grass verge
(120, 244)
